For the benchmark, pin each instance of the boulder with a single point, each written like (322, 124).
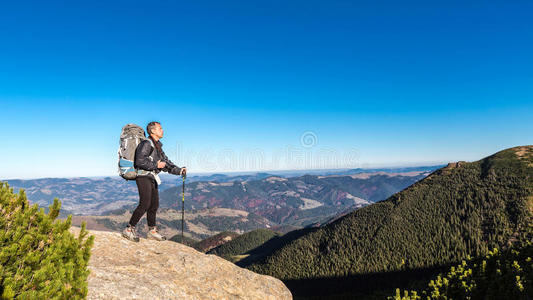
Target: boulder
(121, 269)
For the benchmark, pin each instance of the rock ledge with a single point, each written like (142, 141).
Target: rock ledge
(121, 269)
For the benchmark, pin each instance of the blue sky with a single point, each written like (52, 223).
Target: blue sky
(247, 85)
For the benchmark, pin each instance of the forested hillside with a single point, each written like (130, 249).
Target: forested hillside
(462, 210)
(243, 243)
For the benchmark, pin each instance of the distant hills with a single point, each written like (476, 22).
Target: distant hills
(299, 201)
(79, 195)
(309, 200)
(230, 177)
(460, 211)
(237, 203)
(99, 195)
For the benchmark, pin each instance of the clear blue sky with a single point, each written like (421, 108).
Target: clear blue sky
(376, 83)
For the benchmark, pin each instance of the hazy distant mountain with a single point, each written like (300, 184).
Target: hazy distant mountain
(241, 205)
(248, 176)
(80, 195)
(97, 195)
(212, 207)
(296, 201)
(220, 177)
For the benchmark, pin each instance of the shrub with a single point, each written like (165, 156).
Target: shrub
(498, 275)
(39, 257)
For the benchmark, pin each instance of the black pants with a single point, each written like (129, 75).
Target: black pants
(148, 200)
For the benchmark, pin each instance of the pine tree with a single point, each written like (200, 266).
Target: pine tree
(498, 275)
(39, 257)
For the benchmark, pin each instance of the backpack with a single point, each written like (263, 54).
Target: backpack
(131, 136)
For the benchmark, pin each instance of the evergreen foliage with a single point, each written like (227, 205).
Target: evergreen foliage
(499, 275)
(273, 244)
(244, 243)
(457, 212)
(39, 257)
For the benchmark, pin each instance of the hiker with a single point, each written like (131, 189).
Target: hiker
(149, 161)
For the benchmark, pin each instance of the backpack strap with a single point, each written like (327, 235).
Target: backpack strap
(151, 142)
(153, 148)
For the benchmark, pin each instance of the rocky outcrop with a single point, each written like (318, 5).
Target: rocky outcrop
(454, 165)
(121, 269)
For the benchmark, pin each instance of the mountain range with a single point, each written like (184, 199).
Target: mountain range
(366, 235)
(309, 200)
(460, 211)
(236, 203)
(297, 201)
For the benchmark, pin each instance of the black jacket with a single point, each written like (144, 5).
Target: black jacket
(146, 158)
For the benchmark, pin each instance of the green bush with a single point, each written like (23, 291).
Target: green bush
(39, 257)
(499, 275)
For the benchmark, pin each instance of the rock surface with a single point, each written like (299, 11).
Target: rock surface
(121, 269)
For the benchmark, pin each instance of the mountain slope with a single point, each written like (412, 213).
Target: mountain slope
(244, 243)
(460, 210)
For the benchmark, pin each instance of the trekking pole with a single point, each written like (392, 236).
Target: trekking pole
(182, 206)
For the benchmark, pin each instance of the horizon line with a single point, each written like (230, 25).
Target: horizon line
(248, 172)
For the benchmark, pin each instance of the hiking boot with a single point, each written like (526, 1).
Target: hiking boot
(130, 234)
(153, 234)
